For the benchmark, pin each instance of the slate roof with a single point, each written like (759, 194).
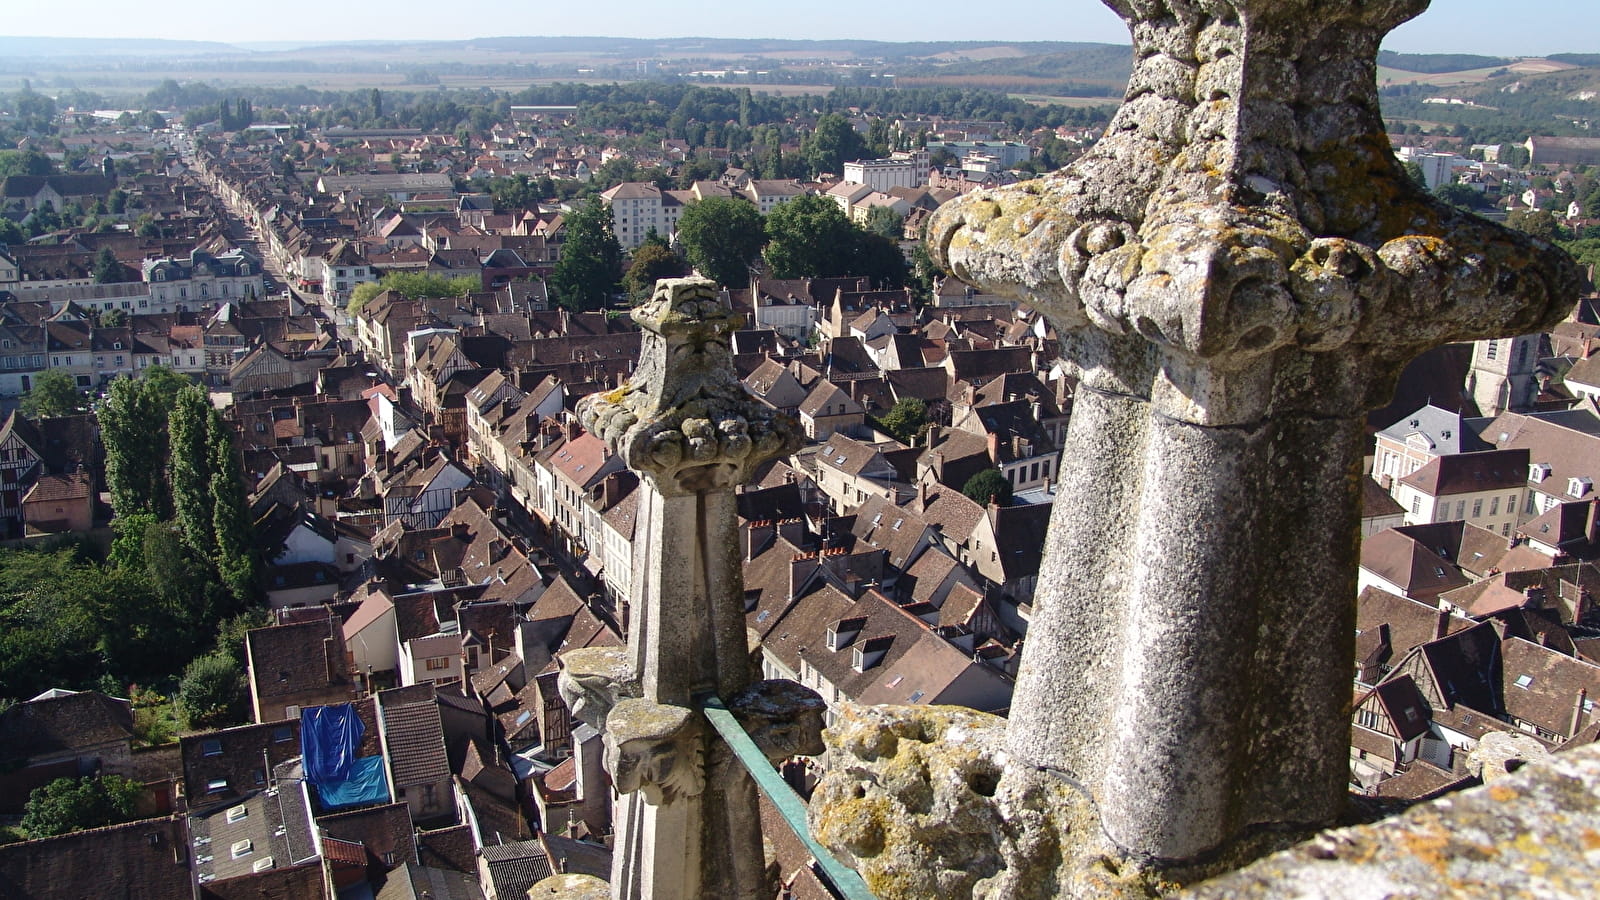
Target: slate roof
(516, 866)
(1443, 432)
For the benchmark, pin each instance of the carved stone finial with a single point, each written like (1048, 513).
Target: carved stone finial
(1244, 209)
(683, 418)
(1238, 270)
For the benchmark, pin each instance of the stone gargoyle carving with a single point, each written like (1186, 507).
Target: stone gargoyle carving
(784, 718)
(657, 750)
(593, 680)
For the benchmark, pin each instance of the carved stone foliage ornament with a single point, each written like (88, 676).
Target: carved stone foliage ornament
(683, 417)
(1244, 211)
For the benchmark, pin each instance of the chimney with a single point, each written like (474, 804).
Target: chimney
(801, 568)
(1441, 623)
(994, 448)
(794, 531)
(922, 494)
(1577, 712)
(933, 434)
(758, 536)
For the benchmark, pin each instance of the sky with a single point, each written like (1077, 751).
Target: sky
(1491, 27)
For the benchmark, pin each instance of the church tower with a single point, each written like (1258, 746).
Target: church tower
(1504, 374)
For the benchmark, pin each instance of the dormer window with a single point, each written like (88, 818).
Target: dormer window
(1579, 486)
(1538, 472)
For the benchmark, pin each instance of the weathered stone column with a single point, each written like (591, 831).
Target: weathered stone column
(1238, 271)
(689, 827)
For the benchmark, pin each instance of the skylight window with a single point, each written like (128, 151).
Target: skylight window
(1524, 681)
(242, 848)
(237, 814)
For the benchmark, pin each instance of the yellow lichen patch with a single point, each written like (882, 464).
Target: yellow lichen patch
(1431, 848)
(1590, 839)
(1499, 793)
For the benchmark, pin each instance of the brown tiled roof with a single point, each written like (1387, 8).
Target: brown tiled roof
(1471, 473)
(147, 860)
(381, 829)
(62, 725)
(414, 738)
(297, 883)
(235, 755)
(293, 660)
(1545, 687)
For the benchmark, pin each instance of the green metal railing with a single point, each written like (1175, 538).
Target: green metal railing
(789, 805)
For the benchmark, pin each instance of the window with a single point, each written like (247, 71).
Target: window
(1477, 507)
(1461, 509)
(1416, 505)
(1492, 349)
(438, 662)
(211, 747)
(242, 848)
(1524, 681)
(237, 814)
(1494, 506)
(216, 785)
(282, 734)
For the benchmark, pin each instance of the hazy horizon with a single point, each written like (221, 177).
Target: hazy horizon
(1449, 26)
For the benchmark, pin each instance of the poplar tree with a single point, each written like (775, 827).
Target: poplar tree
(235, 553)
(189, 469)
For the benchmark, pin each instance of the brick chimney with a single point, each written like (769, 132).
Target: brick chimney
(1441, 623)
(1577, 712)
(757, 536)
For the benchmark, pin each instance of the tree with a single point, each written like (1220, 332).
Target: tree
(809, 237)
(107, 270)
(211, 694)
(1537, 222)
(189, 469)
(990, 483)
(905, 419)
(720, 236)
(25, 162)
(591, 259)
(133, 427)
(1460, 196)
(652, 261)
(413, 286)
(884, 221)
(236, 555)
(1416, 173)
(833, 143)
(73, 804)
(54, 393)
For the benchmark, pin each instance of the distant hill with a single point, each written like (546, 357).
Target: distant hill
(52, 47)
(1437, 63)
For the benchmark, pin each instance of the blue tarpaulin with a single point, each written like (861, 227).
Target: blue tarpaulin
(329, 736)
(364, 783)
